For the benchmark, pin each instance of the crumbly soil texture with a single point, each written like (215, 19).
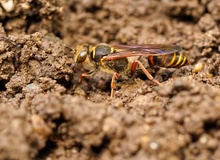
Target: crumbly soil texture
(47, 114)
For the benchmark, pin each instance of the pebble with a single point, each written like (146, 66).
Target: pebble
(8, 5)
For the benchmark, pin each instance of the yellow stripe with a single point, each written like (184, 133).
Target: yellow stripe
(93, 52)
(179, 61)
(173, 59)
(112, 49)
(184, 61)
(102, 61)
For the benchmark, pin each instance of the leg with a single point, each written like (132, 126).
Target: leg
(115, 76)
(83, 75)
(133, 69)
(87, 74)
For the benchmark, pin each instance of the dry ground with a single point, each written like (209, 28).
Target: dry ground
(47, 114)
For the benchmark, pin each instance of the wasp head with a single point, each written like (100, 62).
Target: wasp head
(81, 53)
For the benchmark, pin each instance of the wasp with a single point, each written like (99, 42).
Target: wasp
(116, 59)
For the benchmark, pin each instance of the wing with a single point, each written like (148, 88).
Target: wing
(123, 51)
(158, 48)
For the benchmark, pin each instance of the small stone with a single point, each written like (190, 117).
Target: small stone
(154, 145)
(8, 5)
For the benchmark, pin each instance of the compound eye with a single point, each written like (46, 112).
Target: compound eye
(81, 53)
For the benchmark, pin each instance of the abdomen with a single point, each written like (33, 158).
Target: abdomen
(169, 60)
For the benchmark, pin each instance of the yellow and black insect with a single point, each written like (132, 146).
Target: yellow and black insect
(115, 58)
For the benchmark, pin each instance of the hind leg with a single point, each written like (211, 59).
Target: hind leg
(149, 76)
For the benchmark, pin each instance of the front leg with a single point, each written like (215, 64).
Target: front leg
(87, 74)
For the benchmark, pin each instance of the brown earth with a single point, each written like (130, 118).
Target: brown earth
(47, 114)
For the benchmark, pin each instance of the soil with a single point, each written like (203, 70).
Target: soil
(47, 114)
